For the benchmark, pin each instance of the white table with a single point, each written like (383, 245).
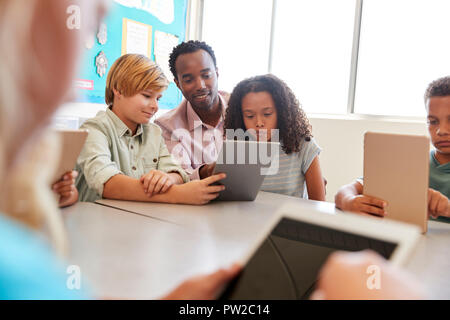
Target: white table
(231, 219)
(150, 248)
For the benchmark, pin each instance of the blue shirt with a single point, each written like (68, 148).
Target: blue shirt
(28, 268)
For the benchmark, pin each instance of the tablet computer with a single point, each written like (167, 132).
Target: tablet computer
(396, 168)
(285, 261)
(245, 163)
(72, 142)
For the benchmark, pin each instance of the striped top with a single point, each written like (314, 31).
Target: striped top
(290, 179)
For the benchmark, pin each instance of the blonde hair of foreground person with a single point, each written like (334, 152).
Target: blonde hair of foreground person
(35, 71)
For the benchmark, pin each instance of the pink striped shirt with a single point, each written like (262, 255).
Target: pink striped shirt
(190, 141)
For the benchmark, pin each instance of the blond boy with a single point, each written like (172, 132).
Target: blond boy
(125, 156)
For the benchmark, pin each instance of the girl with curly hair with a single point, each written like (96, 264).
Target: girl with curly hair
(266, 105)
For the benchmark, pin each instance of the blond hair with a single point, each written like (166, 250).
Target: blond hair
(25, 194)
(131, 74)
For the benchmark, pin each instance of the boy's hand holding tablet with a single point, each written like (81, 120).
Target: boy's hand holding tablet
(438, 204)
(350, 198)
(194, 192)
(199, 191)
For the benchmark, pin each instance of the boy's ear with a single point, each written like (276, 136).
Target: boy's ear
(117, 94)
(217, 72)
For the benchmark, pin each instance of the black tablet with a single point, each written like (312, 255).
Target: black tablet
(246, 163)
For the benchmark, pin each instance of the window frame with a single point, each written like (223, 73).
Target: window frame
(194, 23)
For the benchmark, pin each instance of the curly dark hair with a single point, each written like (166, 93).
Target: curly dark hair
(189, 47)
(438, 88)
(292, 122)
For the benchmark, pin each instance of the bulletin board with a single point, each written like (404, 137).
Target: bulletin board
(150, 27)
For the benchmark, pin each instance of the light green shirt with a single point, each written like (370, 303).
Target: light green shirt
(111, 149)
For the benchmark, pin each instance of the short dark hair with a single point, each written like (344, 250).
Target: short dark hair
(293, 124)
(189, 47)
(438, 88)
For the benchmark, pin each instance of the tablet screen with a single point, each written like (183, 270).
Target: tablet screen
(287, 263)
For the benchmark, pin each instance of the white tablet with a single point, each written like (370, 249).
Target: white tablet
(285, 261)
(245, 163)
(72, 142)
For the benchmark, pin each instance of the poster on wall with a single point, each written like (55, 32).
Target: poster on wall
(161, 9)
(164, 44)
(148, 27)
(136, 38)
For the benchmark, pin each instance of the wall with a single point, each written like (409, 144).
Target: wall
(342, 143)
(72, 115)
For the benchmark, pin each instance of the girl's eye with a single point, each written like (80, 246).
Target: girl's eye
(249, 117)
(432, 122)
(267, 114)
(146, 95)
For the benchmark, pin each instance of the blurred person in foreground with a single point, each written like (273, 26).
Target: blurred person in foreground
(36, 71)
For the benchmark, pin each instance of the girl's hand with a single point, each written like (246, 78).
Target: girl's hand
(200, 191)
(438, 204)
(364, 204)
(155, 182)
(66, 189)
(204, 287)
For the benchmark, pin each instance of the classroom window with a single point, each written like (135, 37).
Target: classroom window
(403, 47)
(239, 33)
(312, 50)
